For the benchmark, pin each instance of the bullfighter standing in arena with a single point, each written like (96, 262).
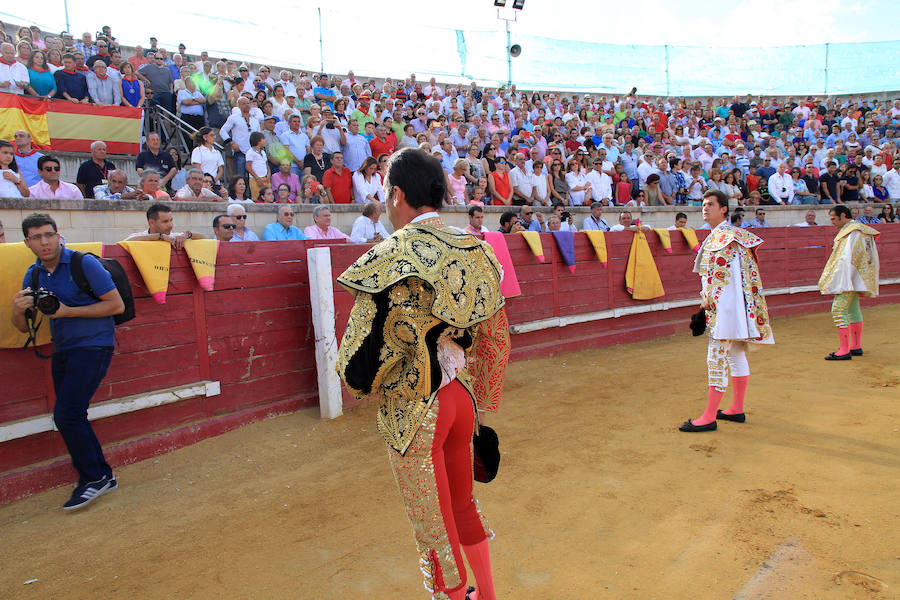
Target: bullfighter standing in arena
(851, 271)
(427, 303)
(735, 309)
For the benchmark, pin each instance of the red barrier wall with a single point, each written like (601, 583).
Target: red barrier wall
(790, 257)
(253, 333)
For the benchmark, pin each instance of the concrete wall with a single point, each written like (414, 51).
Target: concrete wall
(110, 221)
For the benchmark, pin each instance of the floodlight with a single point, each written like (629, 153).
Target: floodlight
(518, 4)
(500, 3)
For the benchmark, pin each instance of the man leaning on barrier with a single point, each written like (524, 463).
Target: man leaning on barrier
(160, 225)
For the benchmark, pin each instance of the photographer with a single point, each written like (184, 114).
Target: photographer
(82, 329)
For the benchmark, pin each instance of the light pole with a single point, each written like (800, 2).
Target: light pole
(512, 50)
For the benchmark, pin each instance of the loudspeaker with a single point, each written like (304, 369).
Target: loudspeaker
(515, 50)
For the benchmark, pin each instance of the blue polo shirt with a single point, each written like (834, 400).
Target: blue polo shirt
(76, 332)
(276, 232)
(27, 164)
(325, 92)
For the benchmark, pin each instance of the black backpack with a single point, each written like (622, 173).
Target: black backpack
(119, 277)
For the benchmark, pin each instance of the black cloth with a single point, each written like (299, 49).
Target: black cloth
(314, 168)
(162, 162)
(850, 195)
(812, 184)
(364, 365)
(90, 174)
(830, 182)
(89, 63)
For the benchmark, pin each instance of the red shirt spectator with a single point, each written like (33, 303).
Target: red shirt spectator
(502, 184)
(381, 146)
(338, 185)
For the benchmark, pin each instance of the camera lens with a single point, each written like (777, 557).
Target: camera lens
(46, 302)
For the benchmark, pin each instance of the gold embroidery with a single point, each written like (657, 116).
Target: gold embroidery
(715, 271)
(414, 474)
(837, 274)
(448, 261)
(488, 356)
(430, 282)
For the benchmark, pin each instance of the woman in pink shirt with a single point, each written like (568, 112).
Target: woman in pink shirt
(456, 182)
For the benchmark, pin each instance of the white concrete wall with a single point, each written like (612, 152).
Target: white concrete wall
(112, 221)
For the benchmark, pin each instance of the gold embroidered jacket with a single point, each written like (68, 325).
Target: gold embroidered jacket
(729, 273)
(853, 264)
(424, 281)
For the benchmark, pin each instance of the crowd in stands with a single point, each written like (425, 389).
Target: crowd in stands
(319, 139)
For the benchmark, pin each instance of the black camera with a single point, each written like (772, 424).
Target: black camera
(44, 300)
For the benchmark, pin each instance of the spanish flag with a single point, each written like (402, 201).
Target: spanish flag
(71, 127)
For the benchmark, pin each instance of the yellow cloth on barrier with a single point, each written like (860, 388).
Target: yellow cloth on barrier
(664, 239)
(598, 241)
(152, 260)
(534, 242)
(202, 254)
(14, 262)
(641, 277)
(690, 236)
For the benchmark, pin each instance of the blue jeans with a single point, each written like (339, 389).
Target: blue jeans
(77, 374)
(240, 164)
(164, 100)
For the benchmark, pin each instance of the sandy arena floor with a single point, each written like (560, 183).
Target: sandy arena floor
(599, 495)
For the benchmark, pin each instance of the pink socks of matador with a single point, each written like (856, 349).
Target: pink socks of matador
(856, 335)
(844, 335)
(712, 405)
(740, 392)
(479, 557)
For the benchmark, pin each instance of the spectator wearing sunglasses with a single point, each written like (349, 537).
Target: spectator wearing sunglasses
(223, 226)
(283, 228)
(50, 185)
(239, 218)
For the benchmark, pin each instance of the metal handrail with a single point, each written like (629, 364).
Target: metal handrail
(180, 128)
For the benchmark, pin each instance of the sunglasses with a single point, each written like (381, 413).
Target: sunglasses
(49, 169)
(241, 217)
(228, 226)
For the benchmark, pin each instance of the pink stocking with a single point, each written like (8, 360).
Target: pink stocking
(712, 405)
(856, 335)
(479, 557)
(740, 392)
(844, 334)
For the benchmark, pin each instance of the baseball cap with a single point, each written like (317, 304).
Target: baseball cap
(273, 117)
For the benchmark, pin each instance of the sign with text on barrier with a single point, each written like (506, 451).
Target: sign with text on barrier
(67, 126)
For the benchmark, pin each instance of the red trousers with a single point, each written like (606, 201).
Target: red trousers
(435, 479)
